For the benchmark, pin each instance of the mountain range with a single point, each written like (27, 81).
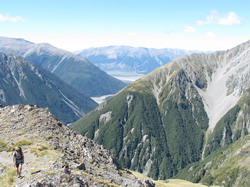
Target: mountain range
(131, 59)
(70, 68)
(22, 82)
(177, 115)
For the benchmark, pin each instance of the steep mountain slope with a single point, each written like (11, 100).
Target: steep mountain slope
(47, 146)
(176, 115)
(228, 166)
(21, 82)
(72, 69)
(125, 58)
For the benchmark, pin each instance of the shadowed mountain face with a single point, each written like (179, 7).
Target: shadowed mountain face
(176, 115)
(131, 59)
(72, 69)
(48, 146)
(21, 82)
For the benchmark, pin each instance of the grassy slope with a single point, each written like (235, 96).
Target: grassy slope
(229, 165)
(170, 182)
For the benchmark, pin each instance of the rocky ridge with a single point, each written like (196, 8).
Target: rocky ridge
(47, 146)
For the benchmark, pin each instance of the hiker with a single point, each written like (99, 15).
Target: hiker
(67, 169)
(18, 159)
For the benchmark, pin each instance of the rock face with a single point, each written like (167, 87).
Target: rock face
(47, 146)
(176, 115)
(22, 82)
(70, 68)
(126, 58)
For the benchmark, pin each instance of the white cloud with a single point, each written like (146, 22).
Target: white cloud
(210, 35)
(189, 29)
(132, 34)
(4, 18)
(211, 18)
(230, 18)
(74, 42)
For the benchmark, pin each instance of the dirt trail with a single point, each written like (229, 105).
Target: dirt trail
(6, 159)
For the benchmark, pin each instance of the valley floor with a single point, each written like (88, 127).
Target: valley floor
(127, 77)
(171, 182)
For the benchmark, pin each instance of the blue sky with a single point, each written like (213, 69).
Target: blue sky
(79, 24)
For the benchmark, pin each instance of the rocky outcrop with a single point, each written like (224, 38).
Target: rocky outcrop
(48, 145)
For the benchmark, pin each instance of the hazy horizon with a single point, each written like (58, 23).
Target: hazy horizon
(80, 24)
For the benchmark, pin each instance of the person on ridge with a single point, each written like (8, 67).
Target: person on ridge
(18, 159)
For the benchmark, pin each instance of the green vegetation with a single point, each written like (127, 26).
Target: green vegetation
(22, 142)
(223, 164)
(3, 146)
(166, 138)
(170, 182)
(42, 150)
(162, 138)
(11, 147)
(223, 131)
(7, 179)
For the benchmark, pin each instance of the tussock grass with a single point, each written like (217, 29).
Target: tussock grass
(3, 146)
(42, 150)
(8, 178)
(170, 182)
(50, 137)
(22, 142)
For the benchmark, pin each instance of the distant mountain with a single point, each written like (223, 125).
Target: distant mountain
(132, 59)
(75, 70)
(21, 82)
(179, 114)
